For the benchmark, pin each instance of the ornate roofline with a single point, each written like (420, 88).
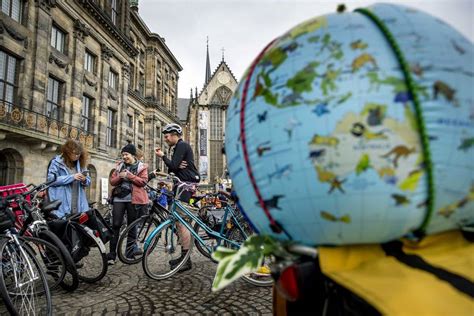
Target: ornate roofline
(106, 22)
(214, 73)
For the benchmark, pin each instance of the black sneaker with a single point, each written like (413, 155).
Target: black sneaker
(185, 267)
(137, 252)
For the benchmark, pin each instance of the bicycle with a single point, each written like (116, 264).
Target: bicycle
(161, 246)
(23, 285)
(89, 253)
(60, 267)
(133, 237)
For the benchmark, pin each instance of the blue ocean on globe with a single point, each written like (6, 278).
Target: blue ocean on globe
(323, 139)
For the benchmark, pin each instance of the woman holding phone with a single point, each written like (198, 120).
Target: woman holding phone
(129, 195)
(71, 179)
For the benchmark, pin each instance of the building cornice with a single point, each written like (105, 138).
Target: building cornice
(106, 22)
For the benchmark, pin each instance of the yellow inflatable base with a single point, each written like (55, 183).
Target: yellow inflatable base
(395, 288)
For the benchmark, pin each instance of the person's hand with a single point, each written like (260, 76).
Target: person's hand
(79, 176)
(123, 174)
(159, 152)
(183, 164)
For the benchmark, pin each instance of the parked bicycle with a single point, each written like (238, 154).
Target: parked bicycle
(161, 246)
(54, 255)
(23, 285)
(132, 239)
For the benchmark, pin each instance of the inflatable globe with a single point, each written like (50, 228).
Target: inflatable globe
(356, 128)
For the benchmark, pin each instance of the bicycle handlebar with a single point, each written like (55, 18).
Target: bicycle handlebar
(37, 188)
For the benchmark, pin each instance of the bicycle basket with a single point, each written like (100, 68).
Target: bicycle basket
(14, 189)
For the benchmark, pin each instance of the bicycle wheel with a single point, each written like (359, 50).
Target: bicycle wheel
(93, 266)
(163, 248)
(70, 282)
(23, 285)
(130, 248)
(263, 276)
(209, 241)
(49, 258)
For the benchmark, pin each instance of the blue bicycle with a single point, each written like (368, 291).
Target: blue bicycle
(162, 246)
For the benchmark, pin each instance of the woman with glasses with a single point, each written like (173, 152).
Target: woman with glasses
(71, 179)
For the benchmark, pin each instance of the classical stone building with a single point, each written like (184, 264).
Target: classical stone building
(84, 69)
(205, 124)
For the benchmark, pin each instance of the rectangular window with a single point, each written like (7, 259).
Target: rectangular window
(53, 98)
(132, 76)
(111, 131)
(113, 79)
(58, 39)
(140, 127)
(86, 113)
(13, 8)
(89, 62)
(216, 124)
(142, 56)
(8, 79)
(141, 85)
(114, 16)
(129, 120)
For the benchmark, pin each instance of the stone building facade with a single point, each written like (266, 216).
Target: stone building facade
(205, 124)
(84, 69)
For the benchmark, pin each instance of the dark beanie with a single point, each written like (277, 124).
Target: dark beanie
(129, 148)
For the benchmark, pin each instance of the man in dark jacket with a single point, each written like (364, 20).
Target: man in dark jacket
(182, 155)
(182, 165)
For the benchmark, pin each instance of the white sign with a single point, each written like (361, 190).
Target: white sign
(104, 190)
(203, 121)
(203, 166)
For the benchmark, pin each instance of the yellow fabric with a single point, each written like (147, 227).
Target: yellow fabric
(394, 288)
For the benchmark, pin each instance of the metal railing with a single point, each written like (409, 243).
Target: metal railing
(29, 120)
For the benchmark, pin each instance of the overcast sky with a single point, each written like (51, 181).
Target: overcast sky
(244, 27)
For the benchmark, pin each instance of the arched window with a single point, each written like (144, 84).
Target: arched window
(221, 96)
(11, 166)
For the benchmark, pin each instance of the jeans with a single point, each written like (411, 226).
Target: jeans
(118, 213)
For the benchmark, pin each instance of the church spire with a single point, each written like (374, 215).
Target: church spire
(208, 64)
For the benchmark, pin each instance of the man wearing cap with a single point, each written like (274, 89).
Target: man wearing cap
(129, 179)
(182, 165)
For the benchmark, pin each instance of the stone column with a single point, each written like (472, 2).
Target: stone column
(103, 98)
(40, 55)
(123, 104)
(80, 32)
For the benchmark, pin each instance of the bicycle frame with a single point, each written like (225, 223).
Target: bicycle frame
(175, 216)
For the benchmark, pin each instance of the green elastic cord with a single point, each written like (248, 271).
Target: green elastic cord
(418, 111)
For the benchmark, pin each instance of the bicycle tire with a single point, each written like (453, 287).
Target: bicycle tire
(15, 255)
(144, 226)
(70, 281)
(97, 260)
(256, 279)
(162, 249)
(208, 240)
(50, 257)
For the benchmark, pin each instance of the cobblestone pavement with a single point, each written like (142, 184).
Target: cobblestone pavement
(126, 290)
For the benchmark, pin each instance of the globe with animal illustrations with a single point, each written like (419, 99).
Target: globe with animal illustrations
(356, 127)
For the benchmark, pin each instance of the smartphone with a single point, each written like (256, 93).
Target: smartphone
(85, 172)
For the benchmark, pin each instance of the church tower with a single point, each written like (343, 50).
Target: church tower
(206, 120)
